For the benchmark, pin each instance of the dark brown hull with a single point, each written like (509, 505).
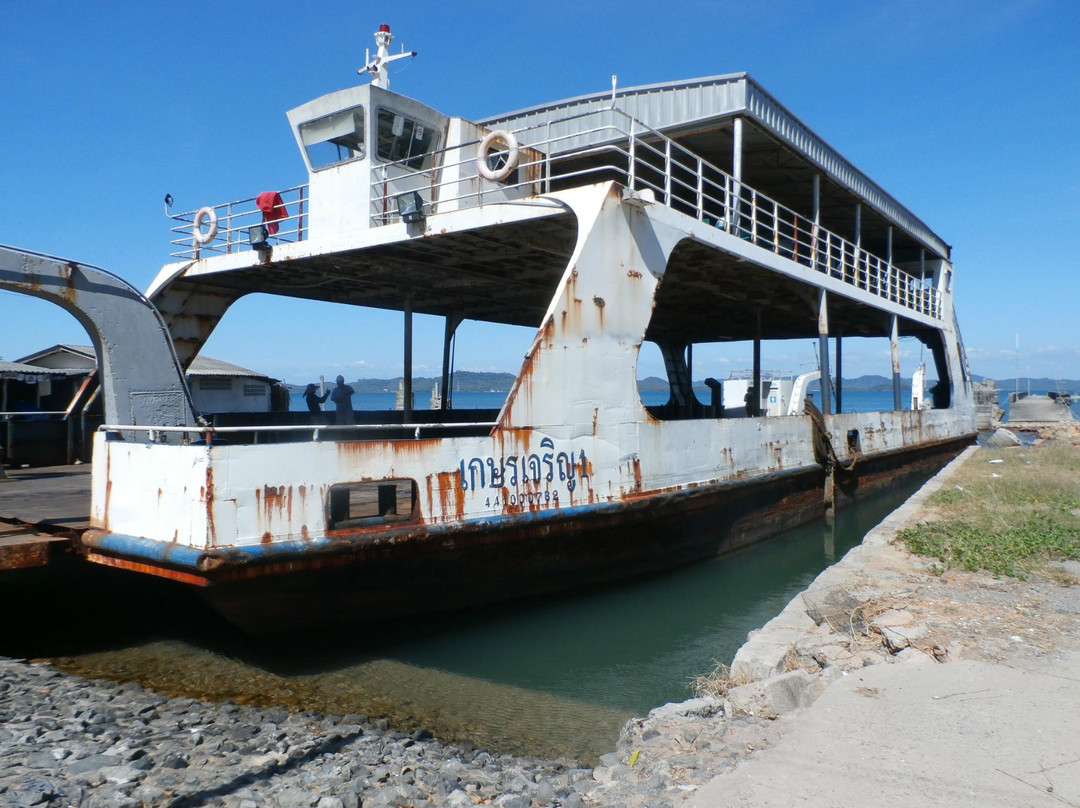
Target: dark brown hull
(423, 570)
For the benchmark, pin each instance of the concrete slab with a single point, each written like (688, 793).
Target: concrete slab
(53, 495)
(962, 734)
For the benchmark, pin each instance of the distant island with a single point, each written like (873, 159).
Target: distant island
(469, 381)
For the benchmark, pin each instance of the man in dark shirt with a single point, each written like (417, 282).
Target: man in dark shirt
(342, 395)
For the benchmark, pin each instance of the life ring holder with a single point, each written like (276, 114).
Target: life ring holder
(483, 152)
(207, 235)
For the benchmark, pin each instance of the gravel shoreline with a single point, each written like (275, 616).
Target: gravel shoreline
(70, 741)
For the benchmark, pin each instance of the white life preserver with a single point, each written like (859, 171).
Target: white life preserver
(204, 236)
(484, 167)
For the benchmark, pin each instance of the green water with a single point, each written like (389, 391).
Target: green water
(557, 676)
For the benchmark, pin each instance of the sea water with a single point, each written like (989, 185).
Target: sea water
(852, 400)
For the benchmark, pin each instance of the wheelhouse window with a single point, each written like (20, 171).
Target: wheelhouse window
(404, 139)
(336, 138)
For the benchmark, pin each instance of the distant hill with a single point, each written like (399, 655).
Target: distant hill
(465, 381)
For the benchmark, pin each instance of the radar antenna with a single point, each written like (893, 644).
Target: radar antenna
(377, 66)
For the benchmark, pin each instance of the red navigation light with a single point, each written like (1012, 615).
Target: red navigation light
(384, 29)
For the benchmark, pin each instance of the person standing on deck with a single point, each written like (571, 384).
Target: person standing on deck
(313, 399)
(342, 395)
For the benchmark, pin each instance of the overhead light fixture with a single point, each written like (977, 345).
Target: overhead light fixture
(410, 206)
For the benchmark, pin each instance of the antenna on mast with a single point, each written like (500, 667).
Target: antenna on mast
(377, 66)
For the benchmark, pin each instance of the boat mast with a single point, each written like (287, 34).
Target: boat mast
(377, 66)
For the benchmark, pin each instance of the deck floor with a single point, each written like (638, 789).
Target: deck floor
(51, 495)
(42, 510)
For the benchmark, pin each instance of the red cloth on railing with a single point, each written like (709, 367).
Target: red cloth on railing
(269, 202)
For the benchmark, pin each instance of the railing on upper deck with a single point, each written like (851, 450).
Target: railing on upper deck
(591, 147)
(609, 144)
(233, 220)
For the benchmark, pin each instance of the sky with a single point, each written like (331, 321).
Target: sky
(964, 111)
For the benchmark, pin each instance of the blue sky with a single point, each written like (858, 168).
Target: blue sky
(965, 111)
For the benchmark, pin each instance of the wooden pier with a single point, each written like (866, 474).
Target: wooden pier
(43, 511)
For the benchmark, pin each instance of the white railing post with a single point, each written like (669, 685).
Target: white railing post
(631, 174)
(700, 191)
(667, 172)
(753, 217)
(727, 202)
(228, 228)
(776, 227)
(547, 158)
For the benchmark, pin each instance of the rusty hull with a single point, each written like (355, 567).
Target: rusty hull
(410, 570)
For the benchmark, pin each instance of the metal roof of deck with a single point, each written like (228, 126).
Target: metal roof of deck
(694, 111)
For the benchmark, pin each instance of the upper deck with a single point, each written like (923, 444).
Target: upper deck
(720, 150)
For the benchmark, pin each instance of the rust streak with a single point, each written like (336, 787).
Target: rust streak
(134, 566)
(208, 493)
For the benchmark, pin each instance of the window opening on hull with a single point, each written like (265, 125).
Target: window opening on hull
(371, 503)
(335, 138)
(716, 379)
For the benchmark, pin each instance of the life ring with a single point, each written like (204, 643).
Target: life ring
(204, 236)
(482, 153)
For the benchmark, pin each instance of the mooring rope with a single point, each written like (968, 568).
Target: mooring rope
(824, 452)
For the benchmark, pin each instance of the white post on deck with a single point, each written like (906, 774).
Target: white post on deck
(894, 350)
(839, 372)
(756, 381)
(815, 203)
(407, 372)
(823, 351)
(888, 261)
(736, 174)
(857, 258)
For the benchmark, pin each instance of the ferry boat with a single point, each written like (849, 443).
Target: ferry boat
(680, 214)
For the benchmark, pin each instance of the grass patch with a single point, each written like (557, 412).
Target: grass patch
(1010, 517)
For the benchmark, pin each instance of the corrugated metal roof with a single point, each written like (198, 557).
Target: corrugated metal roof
(21, 372)
(200, 366)
(205, 366)
(681, 105)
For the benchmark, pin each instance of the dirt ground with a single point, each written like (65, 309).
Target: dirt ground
(954, 614)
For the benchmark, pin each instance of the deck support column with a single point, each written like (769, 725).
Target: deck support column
(757, 366)
(859, 277)
(734, 213)
(823, 351)
(452, 323)
(407, 404)
(894, 350)
(815, 207)
(839, 372)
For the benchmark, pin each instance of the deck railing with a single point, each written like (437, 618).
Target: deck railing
(233, 220)
(584, 148)
(314, 432)
(609, 144)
